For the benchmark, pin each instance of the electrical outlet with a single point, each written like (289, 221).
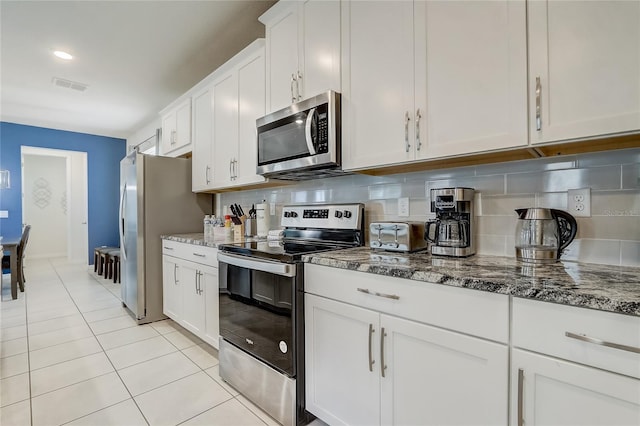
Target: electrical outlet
(579, 202)
(403, 207)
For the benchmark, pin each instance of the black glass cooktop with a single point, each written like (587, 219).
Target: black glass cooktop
(281, 250)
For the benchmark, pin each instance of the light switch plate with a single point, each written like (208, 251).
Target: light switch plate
(579, 202)
(403, 207)
(4, 214)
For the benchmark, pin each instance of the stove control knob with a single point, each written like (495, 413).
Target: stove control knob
(294, 214)
(347, 214)
(338, 214)
(287, 214)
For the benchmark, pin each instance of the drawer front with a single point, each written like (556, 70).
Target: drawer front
(474, 312)
(600, 339)
(191, 252)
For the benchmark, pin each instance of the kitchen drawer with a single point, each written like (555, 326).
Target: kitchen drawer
(543, 327)
(474, 312)
(191, 252)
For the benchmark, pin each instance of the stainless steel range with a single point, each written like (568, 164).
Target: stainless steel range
(262, 305)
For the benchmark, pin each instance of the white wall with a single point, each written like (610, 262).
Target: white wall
(45, 205)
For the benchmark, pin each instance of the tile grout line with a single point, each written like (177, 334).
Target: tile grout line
(103, 351)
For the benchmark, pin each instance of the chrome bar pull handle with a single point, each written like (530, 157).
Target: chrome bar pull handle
(383, 366)
(199, 255)
(298, 80)
(538, 107)
(375, 293)
(371, 360)
(230, 172)
(600, 342)
(407, 119)
(418, 142)
(175, 274)
(293, 79)
(520, 397)
(168, 248)
(206, 174)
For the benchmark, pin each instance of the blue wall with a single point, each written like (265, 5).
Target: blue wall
(103, 169)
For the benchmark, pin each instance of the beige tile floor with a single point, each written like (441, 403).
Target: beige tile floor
(70, 354)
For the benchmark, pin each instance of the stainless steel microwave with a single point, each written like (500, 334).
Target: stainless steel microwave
(302, 141)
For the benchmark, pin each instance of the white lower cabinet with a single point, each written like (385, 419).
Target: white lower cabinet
(549, 391)
(365, 367)
(190, 286)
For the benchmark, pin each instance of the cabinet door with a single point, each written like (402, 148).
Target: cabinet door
(555, 392)
(183, 125)
(251, 106)
(586, 55)
(201, 171)
(436, 377)
(282, 54)
(471, 76)
(209, 282)
(342, 387)
(319, 47)
(171, 288)
(193, 296)
(168, 132)
(377, 83)
(225, 128)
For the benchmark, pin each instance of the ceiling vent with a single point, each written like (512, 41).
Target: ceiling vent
(68, 84)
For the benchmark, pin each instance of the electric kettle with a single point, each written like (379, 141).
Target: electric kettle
(542, 234)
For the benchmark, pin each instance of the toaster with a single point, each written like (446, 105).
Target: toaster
(397, 236)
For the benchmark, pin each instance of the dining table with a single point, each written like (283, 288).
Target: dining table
(11, 246)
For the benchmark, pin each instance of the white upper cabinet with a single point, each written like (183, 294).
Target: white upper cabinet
(202, 165)
(303, 50)
(378, 89)
(471, 76)
(238, 101)
(432, 79)
(584, 68)
(176, 128)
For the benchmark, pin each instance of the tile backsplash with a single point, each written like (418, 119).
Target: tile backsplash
(610, 236)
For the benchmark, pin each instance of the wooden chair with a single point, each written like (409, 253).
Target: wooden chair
(22, 246)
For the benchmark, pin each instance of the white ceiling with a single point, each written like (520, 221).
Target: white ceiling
(135, 56)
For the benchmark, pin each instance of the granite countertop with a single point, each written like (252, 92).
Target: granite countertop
(602, 287)
(197, 239)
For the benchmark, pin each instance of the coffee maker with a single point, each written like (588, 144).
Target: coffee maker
(451, 233)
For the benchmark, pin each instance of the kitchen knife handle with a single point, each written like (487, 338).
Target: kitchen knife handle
(407, 119)
(383, 366)
(371, 360)
(418, 142)
(520, 397)
(538, 106)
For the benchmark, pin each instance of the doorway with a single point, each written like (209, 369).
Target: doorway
(54, 203)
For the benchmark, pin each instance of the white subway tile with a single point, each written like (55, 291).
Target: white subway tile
(593, 251)
(505, 205)
(615, 203)
(630, 253)
(552, 200)
(495, 245)
(622, 156)
(597, 178)
(631, 176)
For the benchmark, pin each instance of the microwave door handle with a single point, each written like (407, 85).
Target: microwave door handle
(307, 132)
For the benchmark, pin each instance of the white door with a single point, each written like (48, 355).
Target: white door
(55, 203)
(251, 106)
(77, 201)
(209, 282)
(378, 85)
(584, 68)
(225, 128)
(555, 392)
(201, 171)
(282, 54)
(437, 377)
(319, 47)
(471, 76)
(193, 297)
(171, 288)
(342, 363)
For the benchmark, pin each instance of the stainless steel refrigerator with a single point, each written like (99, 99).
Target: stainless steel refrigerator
(155, 199)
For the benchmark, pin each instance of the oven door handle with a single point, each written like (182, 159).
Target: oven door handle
(277, 268)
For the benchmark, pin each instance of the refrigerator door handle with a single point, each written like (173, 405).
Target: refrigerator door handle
(121, 223)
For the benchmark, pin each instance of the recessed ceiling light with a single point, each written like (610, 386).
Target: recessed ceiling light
(62, 55)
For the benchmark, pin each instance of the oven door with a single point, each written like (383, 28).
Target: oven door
(304, 135)
(258, 308)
